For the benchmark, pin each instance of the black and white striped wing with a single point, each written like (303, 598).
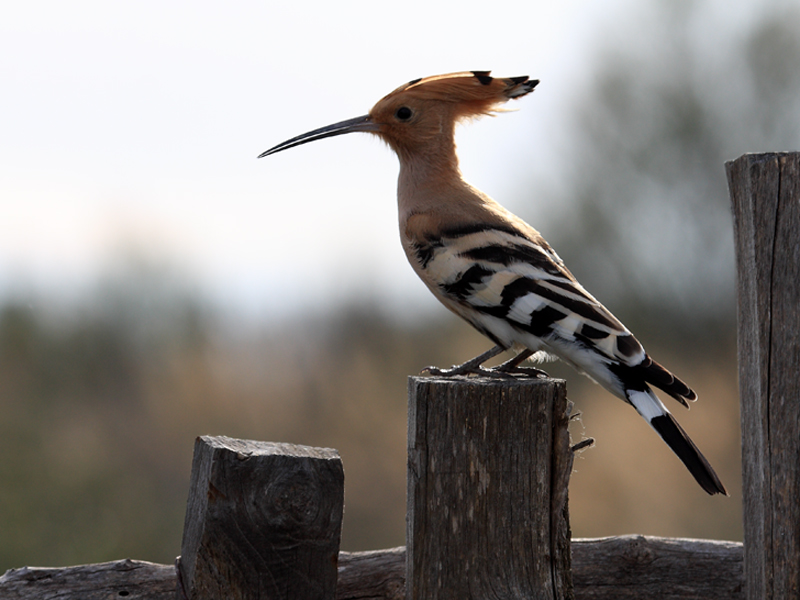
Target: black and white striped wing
(501, 275)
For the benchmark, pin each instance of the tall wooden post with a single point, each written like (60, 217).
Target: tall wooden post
(488, 467)
(765, 192)
(263, 521)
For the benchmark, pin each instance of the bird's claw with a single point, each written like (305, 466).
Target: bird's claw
(532, 372)
(507, 370)
(478, 371)
(465, 371)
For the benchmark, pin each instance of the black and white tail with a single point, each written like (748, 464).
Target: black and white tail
(651, 408)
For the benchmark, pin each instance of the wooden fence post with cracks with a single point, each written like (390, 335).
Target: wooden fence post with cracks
(765, 193)
(263, 521)
(488, 468)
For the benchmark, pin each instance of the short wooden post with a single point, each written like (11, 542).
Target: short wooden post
(263, 521)
(765, 192)
(488, 467)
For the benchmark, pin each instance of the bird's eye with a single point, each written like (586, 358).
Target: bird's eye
(403, 113)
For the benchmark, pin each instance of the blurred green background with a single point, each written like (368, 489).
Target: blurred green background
(103, 394)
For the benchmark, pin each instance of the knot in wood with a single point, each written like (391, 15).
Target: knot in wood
(639, 551)
(293, 500)
(126, 564)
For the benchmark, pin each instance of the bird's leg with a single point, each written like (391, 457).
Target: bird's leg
(512, 366)
(471, 367)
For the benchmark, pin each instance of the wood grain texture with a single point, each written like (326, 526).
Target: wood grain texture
(263, 520)
(374, 575)
(636, 567)
(765, 194)
(486, 495)
(122, 579)
(629, 567)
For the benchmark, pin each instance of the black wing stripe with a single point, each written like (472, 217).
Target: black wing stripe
(515, 290)
(464, 286)
(592, 333)
(424, 252)
(628, 345)
(580, 307)
(507, 255)
(542, 321)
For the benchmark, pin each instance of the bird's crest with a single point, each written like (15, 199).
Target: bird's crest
(475, 92)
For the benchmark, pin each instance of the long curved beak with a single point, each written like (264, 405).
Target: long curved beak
(364, 123)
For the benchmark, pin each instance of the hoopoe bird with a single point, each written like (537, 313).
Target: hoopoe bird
(494, 270)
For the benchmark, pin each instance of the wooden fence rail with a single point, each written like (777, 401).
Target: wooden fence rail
(489, 465)
(617, 568)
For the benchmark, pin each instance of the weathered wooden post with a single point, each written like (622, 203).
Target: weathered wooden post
(488, 467)
(765, 192)
(263, 521)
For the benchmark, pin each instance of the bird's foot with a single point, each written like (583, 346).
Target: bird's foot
(471, 367)
(507, 370)
(532, 372)
(466, 370)
(512, 367)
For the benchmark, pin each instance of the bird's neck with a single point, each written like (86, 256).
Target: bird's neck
(426, 178)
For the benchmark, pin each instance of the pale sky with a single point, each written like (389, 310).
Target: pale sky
(136, 125)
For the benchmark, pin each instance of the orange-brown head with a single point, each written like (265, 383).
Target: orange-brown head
(425, 111)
